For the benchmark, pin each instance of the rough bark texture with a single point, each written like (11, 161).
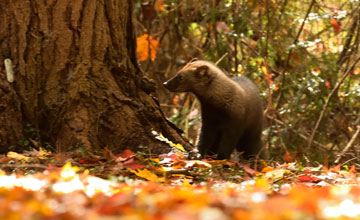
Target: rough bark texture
(76, 77)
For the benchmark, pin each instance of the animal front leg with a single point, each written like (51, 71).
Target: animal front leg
(207, 139)
(227, 145)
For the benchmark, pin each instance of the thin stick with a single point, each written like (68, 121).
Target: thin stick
(24, 166)
(302, 136)
(290, 52)
(327, 102)
(221, 58)
(349, 144)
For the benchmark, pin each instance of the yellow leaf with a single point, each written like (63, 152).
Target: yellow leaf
(262, 183)
(179, 146)
(276, 174)
(162, 138)
(68, 172)
(43, 154)
(186, 182)
(264, 69)
(156, 160)
(146, 174)
(17, 156)
(146, 44)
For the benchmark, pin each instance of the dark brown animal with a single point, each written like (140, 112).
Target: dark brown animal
(231, 109)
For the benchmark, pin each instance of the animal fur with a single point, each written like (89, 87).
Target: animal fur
(231, 109)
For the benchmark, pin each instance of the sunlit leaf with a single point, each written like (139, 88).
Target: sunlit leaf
(276, 174)
(146, 44)
(146, 174)
(68, 171)
(18, 156)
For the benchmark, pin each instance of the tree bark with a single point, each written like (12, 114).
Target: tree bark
(77, 81)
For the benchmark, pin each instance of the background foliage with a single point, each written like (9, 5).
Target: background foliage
(302, 55)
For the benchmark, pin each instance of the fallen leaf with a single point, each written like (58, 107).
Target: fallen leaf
(276, 174)
(250, 171)
(130, 164)
(287, 157)
(17, 156)
(108, 154)
(267, 169)
(307, 178)
(125, 155)
(146, 174)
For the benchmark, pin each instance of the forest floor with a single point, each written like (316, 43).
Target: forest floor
(41, 185)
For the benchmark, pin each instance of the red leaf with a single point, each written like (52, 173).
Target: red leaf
(306, 178)
(132, 165)
(287, 157)
(125, 155)
(336, 25)
(85, 160)
(249, 170)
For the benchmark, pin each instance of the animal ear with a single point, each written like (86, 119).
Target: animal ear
(193, 60)
(202, 71)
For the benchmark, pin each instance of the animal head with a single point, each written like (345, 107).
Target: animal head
(193, 76)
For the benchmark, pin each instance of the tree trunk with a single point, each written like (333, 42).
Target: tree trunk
(77, 81)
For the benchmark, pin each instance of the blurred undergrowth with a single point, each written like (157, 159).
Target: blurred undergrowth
(304, 52)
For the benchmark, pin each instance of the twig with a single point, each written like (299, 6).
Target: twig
(290, 52)
(302, 136)
(348, 161)
(349, 144)
(327, 103)
(24, 166)
(221, 58)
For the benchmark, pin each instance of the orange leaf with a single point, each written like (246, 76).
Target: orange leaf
(336, 25)
(176, 100)
(287, 157)
(146, 174)
(146, 44)
(336, 169)
(159, 5)
(352, 170)
(327, 84)
(267, 169)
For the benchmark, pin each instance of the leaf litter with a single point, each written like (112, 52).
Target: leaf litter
(130, 186)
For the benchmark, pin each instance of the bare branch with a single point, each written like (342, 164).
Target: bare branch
(328, 100)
